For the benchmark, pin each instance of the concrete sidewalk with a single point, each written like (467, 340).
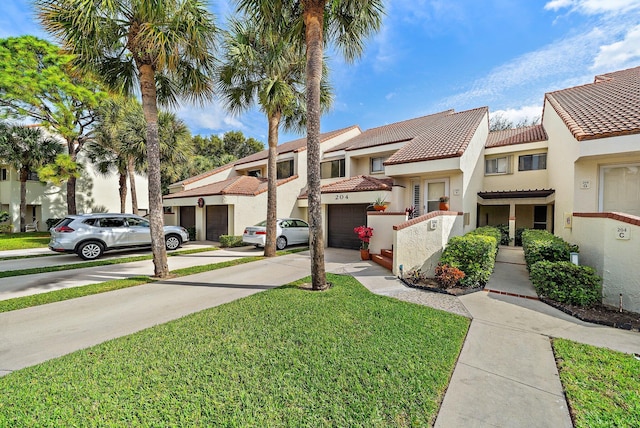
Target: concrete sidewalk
(506, 374)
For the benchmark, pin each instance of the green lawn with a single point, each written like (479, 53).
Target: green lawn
(602, 386)
(21, 241)
(283, 357)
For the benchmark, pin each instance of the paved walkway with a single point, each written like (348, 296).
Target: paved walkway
(506, 374)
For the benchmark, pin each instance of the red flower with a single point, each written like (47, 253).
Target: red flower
(364, 234)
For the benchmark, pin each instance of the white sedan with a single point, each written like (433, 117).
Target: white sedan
(289, 231)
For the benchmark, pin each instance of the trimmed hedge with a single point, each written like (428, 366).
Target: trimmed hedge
(488, 231)
(474, 254)
(540, 245)
(565, 282)
(227, 241)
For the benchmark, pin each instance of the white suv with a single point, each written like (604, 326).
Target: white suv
(90, 235)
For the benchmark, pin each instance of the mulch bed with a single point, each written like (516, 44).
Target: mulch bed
(430, 284)
(599, 315)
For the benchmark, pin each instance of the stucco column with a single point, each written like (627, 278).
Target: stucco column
(512, 224)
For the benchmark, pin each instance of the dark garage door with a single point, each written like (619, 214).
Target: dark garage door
(217, 221)
(342, 219)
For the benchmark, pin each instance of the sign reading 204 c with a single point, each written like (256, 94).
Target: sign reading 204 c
(623, 232)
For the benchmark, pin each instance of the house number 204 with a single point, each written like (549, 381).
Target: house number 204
(340, 197)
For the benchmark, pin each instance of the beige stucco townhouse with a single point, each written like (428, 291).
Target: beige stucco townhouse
(94, 193)
(227, 199)
(594, 167)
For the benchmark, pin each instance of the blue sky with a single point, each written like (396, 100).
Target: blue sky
(433, 55)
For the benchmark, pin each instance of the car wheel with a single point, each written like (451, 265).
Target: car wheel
(281, 242)
(90, 250)
(257, 245)
(172, 242)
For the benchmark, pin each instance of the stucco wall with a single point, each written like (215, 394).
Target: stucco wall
(563, 151)
(382, 224)
(616, 260)
(516, 180)
(420, 245)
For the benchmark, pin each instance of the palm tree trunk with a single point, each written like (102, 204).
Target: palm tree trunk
(272, 186)
(122, 188)
(132, 185)
(314, 21)
(150, 108)
(24, 173)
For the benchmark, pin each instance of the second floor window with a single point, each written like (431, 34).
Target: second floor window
(498, 165)
(532, 162)
(285, 169)
(377, 164)
(4, 174)
(255, 173)
(33, 176)
(332, 169)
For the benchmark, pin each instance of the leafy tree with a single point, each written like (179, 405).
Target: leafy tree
(26, 150)
(38, 81)
(346, 23)
(262, 66)
(236, 144)
(164, 46)
(500, 122)
(61, 170)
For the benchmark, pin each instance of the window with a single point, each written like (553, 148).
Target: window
(332, 169)
(377, 164)
(532, 162)
(4, 174)
(112, 222)
(255, 173)
(498, 165)
(33, 176)
(137, 222)
(284, 169)
(620, 189)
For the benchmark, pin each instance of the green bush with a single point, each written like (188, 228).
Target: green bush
(230, 241)
(192, 233)
(488, 231)
(52, 222)
(504, 234)
(6, 228)
(474, 254)
(567, 283)
(4, 216)
(540, 245)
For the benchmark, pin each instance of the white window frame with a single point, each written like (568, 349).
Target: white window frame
(509, 162)
(425, 193)
(601, 180)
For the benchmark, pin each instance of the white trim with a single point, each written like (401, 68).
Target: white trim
(425, 201)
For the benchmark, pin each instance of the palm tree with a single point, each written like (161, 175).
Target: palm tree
(346, 23)
(261, 66)
(26, 150)
(164, 47)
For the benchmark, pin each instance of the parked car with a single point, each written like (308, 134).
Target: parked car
(289, 231)
(90, 235)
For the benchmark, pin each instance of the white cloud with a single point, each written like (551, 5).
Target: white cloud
(211, 117)
(594, 7)
(619, 55)
(390, 95)
(523, 113)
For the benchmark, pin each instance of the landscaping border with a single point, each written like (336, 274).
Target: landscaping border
(442, 290)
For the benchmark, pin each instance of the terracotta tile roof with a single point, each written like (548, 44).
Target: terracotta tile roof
(392, 133)
(242, 185)
(360, 183)
(507, 137)
(293, 146)
(290, 146)
(446, 136)
(606, 108)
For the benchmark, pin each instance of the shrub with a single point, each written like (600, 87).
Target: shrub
(52, 222)
(540, 245)
(488, 231)
(227, 241)
(6, 228)
(565, 282)
(504, 234)
(4, 216)
(474, 254)
(448, 276)
(192, 233)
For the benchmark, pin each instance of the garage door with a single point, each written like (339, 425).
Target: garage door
(341, 221)
(217, 221)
